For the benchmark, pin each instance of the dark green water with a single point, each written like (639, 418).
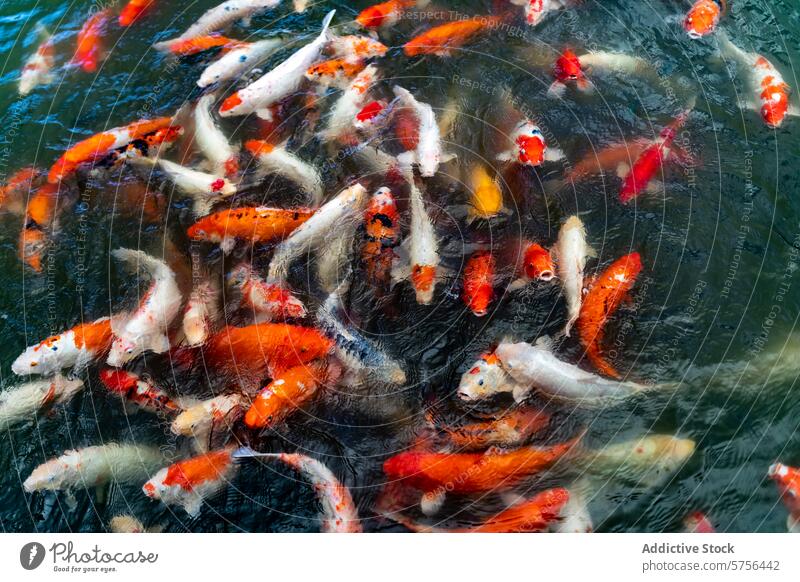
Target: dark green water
(715, 309)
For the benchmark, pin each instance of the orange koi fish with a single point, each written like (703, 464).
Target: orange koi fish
(441, 40)
(141, 393)
(134, 10)
(285, 394)
(538, 263)
(17, 188)
(703, 17)
(479, 282)
(568, 69)
(259, 224)
(75, 348)
(385, 14)
(199, 44)
(601, 302)
(102, 144)
(511, 430)
(89, 48)
(382, 233)
(335, 72)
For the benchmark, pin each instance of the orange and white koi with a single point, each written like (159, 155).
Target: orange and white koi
(94, 466)
(428, 152)
(382, 234)
(602, 300)
(698, 522)
(259, 224)
(568, 69)
(443, 39)
(222, 16)
(703, 17)
(272, 159)
(788, 481)
(529, 147)
(386, 14)
(344, 111)
(334, 72)
(486, 197)
(142, 394)
(196, 45)
(345, 208)
(571, 251)
(281, 81)
(537, 265)
(485, 378)
(239, 58)
(38, 67)
(765, 82)
(423, 250)
(134, 10)
(267, 301)
(18, 188)
(478, 291)
(201, 313)
(88, 53)
(536, 10)
(354, 49)
(24, 402)
(199, 421)
(102, 144)
(146, 329)
(205, 189)
(188, 483)
(287, 393)
(339, 513)
(212, 142)
(74, 348)
(510, 430)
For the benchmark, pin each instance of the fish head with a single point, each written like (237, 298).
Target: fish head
(538, 263)
(44, 358)
(429, 160)
(370, 115)
(530, 144)
(119, 381)
(423, 279)
(517, 356)
(155, 487)
(122, 351)
(568, 67)
(485, 378)
(188, 422)
(701, 19)
(55, 474)
(775, 106)
(28, 82)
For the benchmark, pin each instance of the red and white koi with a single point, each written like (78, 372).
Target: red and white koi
(568, 69)
(213, 143)
(536, 10)
(372, 116)
(428, 152)
(571, 251)
(485, 378)
(278, 160)
(354, 49)
(703, 17)
(267, 301)
(38, 67)
(23, 402)
(575, 516)
(237, 61)
(74, 348)
(281, 81)
(146, 329)
(529, 146)
(199, 421)
(142, 394)
(94, 466)
(344, 111)
(788, 481)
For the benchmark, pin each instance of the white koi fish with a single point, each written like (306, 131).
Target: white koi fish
(278, 160)
(281, 81)
(485, 378)
(21, 403)
(354, 49)
(146, 329)
(570, 253)
(428, 154)
(38, 67)
(344, 111)
(200, 420)
(575, 516)
(212, 142)
(529, 146)
(201, 313)
(93, 466)
(238, 61)
(337, 213)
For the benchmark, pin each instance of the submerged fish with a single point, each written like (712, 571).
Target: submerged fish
(571, 252)
(23, 402)
(140, 393)
(212, 142)
(478, 291)
(199, 421)
(237, 61)
(38, 67)
(278, 160)
(428, 151)
(485, 379)
(88, 54)
(443, 39)
(510, 430)
(134, 10)
(287, 392)
(267, 301)
(703, 17)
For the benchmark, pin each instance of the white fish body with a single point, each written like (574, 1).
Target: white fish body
(93, 466)
(282, 162)
(337, 213)
(146, 328)
(238, 61)
(281, 81)
(212, 142)
(21, 403)
(331, 264)
(571, 251)
(200, 419)
(423, 246)
(536, 367)
(38, 68)
(58, 353)
(344, 111)
(222, 16)
(575, 516)
(613, 61)
(200, 314)
(428, 154)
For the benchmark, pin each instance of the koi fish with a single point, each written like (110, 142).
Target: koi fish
(602, 300)
(527, 516)
(765, 81)
(386, 14)
(267, 301)
(372, 116)
(259, 224)
(334, 72)
(38, 67)
(428, 152)
(188, 483)
(142, 394)
(266, 348)
(536, 367)
(21, 403)
(478, 291)
(441, 40)
(212, 142)
(286, 393)
(199, 421)
(485, 378)
(222, 16)
(339, 513)
(788, 481)
(126, 524)
(134, 10)
(649, 461)
(537, 265)
(355, 49)
(238, 60)
(278, 160)
(698, 522)
(102, 144)
(703, 17)
(406, 128)
(615, 157)
(536, 10)
(18, 188)
(281, 81)
(196, 45)
(529, 147)
(75, 348)
(344, 111)
(382, 233)
(146, 329)
(571, 251)
(568, 69)
(33, 242)
(510, 430)
(201, 313)
(345, 207)
(486, 197)
(642, 175)
(575, 516)
(205, 189)
(90, 37)
(94, 466)
(466, 473)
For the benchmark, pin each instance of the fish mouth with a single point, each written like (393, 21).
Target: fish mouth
(547, 275)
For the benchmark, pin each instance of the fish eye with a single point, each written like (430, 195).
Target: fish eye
(55, 348)
(34, 364)
(480, 382)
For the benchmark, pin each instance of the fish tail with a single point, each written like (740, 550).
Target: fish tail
(326, 33)
(602, 366)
